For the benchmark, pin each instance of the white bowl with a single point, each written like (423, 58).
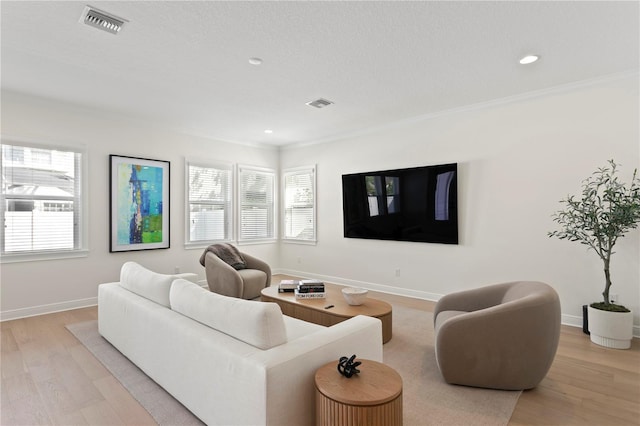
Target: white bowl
(354, 296)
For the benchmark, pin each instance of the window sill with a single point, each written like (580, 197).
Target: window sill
(303, 242)
(37, 257)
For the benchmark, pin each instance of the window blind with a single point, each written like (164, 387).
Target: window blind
(41, 199)
(299, 204)
(256, 204)
(209, 194)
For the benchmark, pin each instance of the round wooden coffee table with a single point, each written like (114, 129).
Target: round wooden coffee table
(372, 397)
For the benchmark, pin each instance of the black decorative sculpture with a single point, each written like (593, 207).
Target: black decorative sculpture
(347, 366)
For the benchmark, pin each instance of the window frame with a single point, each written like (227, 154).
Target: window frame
(301, 170)
(230, 203)
(242, 171)
(80, 201)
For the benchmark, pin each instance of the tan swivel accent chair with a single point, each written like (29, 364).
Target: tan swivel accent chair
(245, 283)
(502, 336)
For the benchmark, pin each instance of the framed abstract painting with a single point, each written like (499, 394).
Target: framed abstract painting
(139, 204)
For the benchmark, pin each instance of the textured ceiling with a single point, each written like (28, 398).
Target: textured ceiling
(184, 65)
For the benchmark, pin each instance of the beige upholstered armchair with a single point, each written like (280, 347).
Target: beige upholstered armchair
(246, 282)
(502, 336)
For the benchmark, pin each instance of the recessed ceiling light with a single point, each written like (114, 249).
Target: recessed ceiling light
(255, 61)
(268, 131)
(529, 59)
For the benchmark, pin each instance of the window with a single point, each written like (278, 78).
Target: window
(209, 203)
(256, 204)
(42, 202)
(299, 204)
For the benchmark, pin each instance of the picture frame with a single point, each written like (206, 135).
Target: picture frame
(138, 203)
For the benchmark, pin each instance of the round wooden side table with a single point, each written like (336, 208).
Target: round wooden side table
(372, 397)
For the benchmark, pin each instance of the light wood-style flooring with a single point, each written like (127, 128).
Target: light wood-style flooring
(586, 385)
(48, 378)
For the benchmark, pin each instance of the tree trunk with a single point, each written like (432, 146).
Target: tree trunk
(607, 276)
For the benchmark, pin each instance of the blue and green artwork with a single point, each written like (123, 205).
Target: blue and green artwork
(140, 203)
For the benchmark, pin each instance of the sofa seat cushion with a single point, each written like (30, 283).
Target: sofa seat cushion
(259, 324)
(148, 284)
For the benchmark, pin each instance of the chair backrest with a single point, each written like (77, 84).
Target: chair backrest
(225, 252)
(529, 289)
(519, 289)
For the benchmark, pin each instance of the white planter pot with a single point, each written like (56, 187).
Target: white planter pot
(611, 329)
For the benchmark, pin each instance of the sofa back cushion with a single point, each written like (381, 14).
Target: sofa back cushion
(148, 284)
(259, 324)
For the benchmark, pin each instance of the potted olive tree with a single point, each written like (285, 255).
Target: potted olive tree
(606, 210)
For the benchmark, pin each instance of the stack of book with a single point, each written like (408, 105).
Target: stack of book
(310, 289)
(288, 286)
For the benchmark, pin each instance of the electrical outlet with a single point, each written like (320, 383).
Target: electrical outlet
(299, 260)
(397, 272)
(176, 270)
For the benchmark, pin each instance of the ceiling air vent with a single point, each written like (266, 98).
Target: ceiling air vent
(102, 20)
(319, 103)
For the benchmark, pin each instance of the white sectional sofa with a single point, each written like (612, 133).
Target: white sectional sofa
(229, 361)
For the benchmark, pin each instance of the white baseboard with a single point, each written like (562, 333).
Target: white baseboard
(570, 320)
(417, 294)
(47, 309)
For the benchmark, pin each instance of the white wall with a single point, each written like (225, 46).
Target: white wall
(35, 287)
(517, 159)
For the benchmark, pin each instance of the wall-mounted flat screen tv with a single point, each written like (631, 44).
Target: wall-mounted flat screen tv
(417, 204)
